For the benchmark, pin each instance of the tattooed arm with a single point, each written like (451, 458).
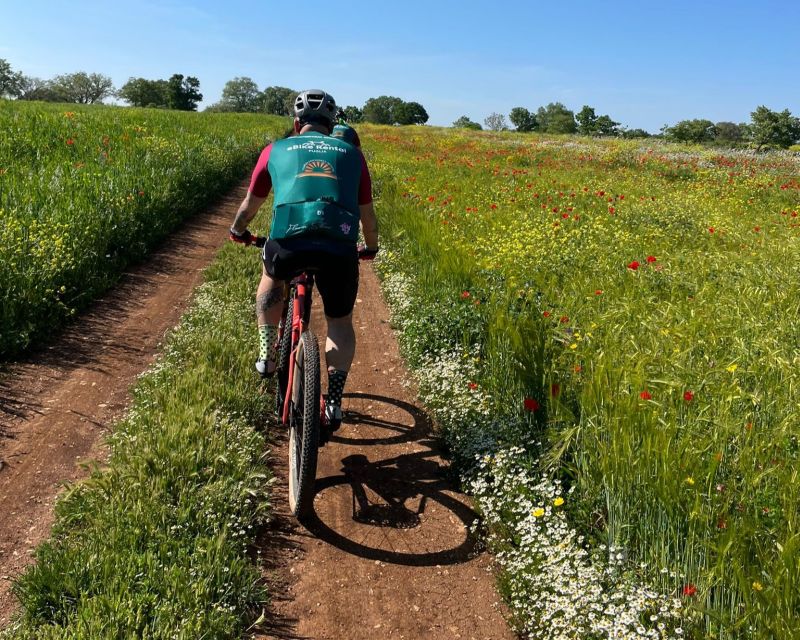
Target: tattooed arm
(247, 211)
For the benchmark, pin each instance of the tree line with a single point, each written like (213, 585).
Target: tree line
(766, 127)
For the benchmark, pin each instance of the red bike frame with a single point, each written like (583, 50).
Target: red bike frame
(297, 328)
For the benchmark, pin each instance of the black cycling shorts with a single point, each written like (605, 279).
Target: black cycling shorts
(334, 265)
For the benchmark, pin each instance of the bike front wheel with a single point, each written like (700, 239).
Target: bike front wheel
(304, 426)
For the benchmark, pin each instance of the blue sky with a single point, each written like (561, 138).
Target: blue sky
(644, 63)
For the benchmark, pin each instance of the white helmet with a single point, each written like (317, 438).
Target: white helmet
(315, 106)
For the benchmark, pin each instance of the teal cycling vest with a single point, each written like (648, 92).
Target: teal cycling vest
(315, 179)
(344, 132)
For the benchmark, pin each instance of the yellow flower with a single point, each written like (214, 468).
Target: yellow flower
(689, 480)
(573, 346)
(558, 501)
(732, 368)
(538, 512)
(757, 586)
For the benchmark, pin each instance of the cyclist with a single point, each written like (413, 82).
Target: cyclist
(345, 131)
(322, 191)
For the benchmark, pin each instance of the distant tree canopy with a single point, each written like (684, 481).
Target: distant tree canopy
(353, 115)
(279, 101)
(697, 131)
(465, 123)
(556, 118)
(495, 122)
(393, 110)
(590, 124)
(730, 132)
(635, 133)
(242, 95)
(82, 87)
(522, 119)
(10, 81)
(779, 129)
(179, 92)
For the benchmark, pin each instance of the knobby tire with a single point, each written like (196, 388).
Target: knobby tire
(304, 426)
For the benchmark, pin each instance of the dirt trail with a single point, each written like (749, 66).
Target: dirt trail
(55, 405)
(387, 553)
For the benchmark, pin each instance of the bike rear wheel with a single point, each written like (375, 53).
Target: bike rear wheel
(284, 349)
(304, 426)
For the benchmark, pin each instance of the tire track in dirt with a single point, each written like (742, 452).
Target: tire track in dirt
(387, 553)
(57, 403)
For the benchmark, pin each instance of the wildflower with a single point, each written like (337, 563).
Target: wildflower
(598, 292)
(546, 314)
(558, 501)
(472, 386)
(722, 524)
(70, 142)
(645, 395)
(530, 404)
(711, 229)
(465, 295)
(689, 590)
(538, 512)
(689, 480)
(732, 367)
(651, 258)
(633, 265)
(563, 319)
(611, 210)
(688, 395)
(757, 586)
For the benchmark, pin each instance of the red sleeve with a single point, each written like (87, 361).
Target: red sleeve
(261, 182)
(365, 185)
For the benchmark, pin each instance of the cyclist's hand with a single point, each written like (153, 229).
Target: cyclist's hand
(364, 253)
(242, 237)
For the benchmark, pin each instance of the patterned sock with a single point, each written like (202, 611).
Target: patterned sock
(336, 380)
(268, 342)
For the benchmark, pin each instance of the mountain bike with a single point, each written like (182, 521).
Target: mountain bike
(300, 404)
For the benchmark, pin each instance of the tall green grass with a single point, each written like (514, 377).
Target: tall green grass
(156, 545)
(85, 191)
(644, 299)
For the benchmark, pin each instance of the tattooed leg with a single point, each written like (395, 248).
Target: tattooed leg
(269, 301)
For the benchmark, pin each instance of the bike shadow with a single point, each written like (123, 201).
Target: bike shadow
(404, 507)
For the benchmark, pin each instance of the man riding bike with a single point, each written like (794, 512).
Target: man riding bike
(323, 190)
(345, 131)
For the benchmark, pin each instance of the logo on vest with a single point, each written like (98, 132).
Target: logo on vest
(317, 169)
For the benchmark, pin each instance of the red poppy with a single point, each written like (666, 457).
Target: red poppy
(546, 314)
(431, 199)
(70, 142)
(563, 319)
(689, 590)
(645, 395)
(651, 258)
(611, 210)
(598, 292)
(494, 206)
(688, 396)
(722, 524)
(711, 229)
(472, 386)
(633, 265)
(464, 295)
(530, 404)
(756, 229)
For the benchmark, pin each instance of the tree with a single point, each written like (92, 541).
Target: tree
(729, 132)
(353, 115)
(495, 122)
(382, 110)
(140, 92)
(182, 93)
(697, 131)
(465, 123)
(635, 133)
(556, 118)
(38, 89)
(82, 87)
(779, 129)
(242, 95)
(10, 81)
(411, 113)
(522, 119)
(587, 121)
(279, 101)
(605, 126)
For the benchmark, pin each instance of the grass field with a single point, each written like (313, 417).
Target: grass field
(622, 317)
(86, 191)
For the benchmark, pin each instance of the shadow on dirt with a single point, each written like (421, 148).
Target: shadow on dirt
(400, 493)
